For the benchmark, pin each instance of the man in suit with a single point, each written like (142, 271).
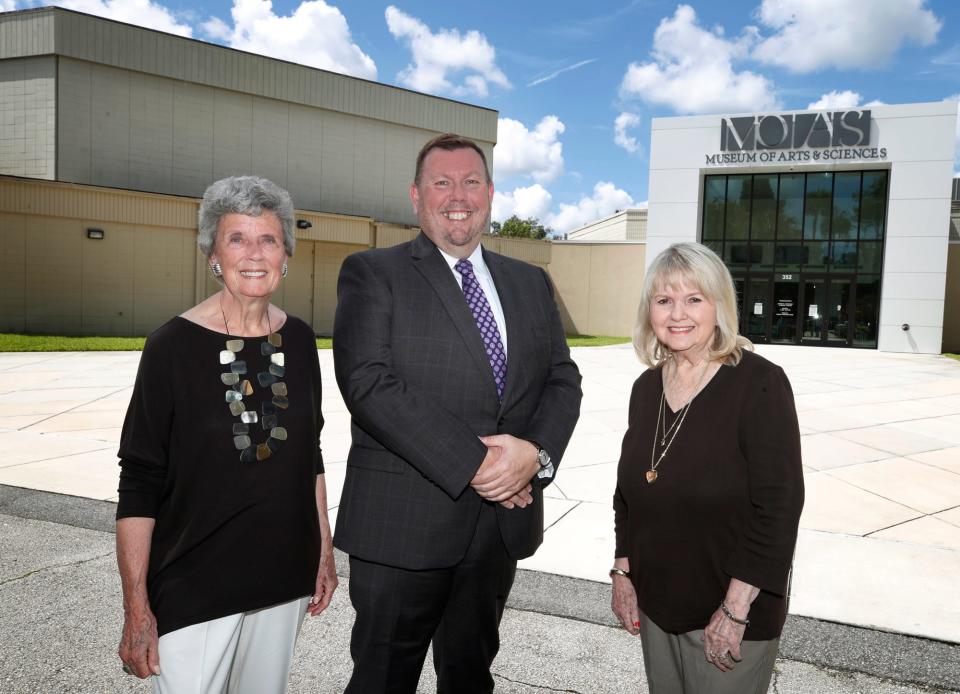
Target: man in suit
(453, 363)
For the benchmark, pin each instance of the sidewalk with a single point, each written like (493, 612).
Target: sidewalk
(880, 536)
(61, 617)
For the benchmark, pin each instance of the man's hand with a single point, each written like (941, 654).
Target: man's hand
(507, 469)
(139, 642)
(522, 498)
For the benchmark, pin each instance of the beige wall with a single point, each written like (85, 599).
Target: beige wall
(951, 302)
(53, 279)
(28, 117)
(598, 286)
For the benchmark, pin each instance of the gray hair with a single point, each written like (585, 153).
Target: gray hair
(249, 195)
(696, 266)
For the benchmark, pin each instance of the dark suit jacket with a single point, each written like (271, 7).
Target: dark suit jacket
(413, 372)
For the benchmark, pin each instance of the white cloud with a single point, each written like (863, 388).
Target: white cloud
(535, 153)
(532, 201)
(692, 70)
(140, 12)
(217, 29)
(8, 5)
(816, 34)
(842, 100)
(315, 34)
(621, 125)
(606, 199)
(436, 57)
(835, 99)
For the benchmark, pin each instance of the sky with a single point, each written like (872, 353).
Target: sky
(576, 84)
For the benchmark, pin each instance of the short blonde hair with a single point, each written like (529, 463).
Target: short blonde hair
(696, 266)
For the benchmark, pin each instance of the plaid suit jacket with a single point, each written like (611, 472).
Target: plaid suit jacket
(413, 372)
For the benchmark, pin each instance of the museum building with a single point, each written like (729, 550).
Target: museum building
(834, 224)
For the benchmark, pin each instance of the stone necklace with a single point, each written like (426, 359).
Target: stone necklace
(661, 431)
(241, 387)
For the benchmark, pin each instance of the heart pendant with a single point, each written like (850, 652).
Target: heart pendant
(651, 476)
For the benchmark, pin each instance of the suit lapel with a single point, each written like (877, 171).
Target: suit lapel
(429, 262)
(510, 296)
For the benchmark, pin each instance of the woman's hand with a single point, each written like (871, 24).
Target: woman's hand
(327, 581)
(138, 643)
(722, 636)
(624, 600)
(721, 641)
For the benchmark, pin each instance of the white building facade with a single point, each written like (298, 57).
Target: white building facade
(834, 224)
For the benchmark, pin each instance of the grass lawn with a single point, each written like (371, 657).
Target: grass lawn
(952, 356)
(12, 342)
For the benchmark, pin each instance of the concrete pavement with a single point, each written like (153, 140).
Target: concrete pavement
(61, 617)
(880, 536)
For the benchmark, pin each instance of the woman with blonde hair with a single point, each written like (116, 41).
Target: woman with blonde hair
(709, 487)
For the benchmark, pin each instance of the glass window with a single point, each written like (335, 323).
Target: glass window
(873, 201)
(871, 256)
(714, 202)
(846, 204)
(790, 206)
(761, 255)
(715, 246)
(838, 319)
(736, 255)
(817, 255)
(758, 309)
(785, 298)
(738, 207)
(867, 311)
(813, 310)
(843, 256)
(764, 215)
(790, 256)
(816, 215)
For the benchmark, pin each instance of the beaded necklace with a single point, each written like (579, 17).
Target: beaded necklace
(241, 387)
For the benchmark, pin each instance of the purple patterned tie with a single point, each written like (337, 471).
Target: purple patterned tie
(477, 301)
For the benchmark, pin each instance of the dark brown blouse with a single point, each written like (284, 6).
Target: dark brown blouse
(726, 502)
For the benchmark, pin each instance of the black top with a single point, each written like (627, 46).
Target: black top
(726, 502)
(230, 536)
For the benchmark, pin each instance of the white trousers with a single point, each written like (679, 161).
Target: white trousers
(245, 653)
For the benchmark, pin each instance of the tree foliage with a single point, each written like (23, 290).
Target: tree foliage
(514, 227)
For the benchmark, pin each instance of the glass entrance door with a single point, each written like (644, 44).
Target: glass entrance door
(825, 311)
(757, 307)
(838, 312)
(786, 302)
(812, 310)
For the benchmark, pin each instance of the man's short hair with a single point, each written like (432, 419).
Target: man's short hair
(449, 142)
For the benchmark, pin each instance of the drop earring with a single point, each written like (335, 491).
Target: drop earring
(284, 270)
(217, 270)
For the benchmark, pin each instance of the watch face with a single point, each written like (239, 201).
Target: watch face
(543, 458)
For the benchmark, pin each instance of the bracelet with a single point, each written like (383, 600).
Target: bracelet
(619, 572)
(729, 615)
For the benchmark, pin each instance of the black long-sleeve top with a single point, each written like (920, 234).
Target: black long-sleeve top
(230, 536)
(726, 502)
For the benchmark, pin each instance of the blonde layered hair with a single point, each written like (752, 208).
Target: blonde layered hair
(698, 267)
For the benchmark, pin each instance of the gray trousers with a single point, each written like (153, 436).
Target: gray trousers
(675, 664)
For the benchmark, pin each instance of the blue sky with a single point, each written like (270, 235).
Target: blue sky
(576, 84)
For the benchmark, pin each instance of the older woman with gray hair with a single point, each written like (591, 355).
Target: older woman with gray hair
(709, 487)
(223, 541)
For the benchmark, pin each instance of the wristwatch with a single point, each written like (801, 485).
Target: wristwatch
(546, 464)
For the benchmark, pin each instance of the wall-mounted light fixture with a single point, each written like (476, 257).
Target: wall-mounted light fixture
(304, 224)
(95, 234)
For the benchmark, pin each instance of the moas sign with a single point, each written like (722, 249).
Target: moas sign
(795, 131)
(797, 137)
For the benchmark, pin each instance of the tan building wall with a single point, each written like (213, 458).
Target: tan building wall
(625, 225)
(598, 285)
(951, 302)
(97, 102)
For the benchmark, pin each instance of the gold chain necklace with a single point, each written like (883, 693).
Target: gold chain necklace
(655, 461)
(242, 387)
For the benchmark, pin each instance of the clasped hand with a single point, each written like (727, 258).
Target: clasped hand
(505, 473)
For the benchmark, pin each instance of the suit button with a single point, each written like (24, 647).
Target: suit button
(500, 423)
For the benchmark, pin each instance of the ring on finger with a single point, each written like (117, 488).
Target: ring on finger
(127, 669)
